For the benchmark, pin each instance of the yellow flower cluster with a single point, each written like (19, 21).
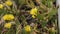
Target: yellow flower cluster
(8, 17)
(7, 25)
(33, 12)
(1, 6)
(8, 2)
(27, 28)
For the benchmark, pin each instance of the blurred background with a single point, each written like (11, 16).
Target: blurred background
(29, 16)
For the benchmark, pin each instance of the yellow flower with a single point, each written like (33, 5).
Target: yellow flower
(33, 12)
(1, 6)
(7, 25)
(8, 17)
(9, 3)
(27, 28)
(33, 16)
